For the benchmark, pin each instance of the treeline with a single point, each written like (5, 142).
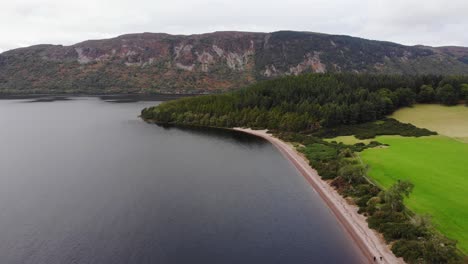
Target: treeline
(411, 236)
(312, 101)
(386, 126)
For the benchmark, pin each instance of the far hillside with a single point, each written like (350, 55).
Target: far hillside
(149, 63)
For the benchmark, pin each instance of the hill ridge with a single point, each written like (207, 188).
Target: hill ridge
(210, 62)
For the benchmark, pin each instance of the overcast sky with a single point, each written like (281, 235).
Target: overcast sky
(430, 22)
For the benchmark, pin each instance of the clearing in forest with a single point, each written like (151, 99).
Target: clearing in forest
(451, 121)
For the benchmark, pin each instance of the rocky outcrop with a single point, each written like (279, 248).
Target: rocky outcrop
(163, 63)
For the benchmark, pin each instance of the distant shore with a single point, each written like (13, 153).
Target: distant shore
(370, 242)
(149, 97)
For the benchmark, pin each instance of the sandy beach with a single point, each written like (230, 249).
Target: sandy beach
(370, 242)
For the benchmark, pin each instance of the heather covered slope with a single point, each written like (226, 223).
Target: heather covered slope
(207, 63)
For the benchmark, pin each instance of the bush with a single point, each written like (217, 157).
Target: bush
(447, 95)
(381, 217)
(406, 230)
(433, 250)
(412, 251)
(362, 202)
(426, 94)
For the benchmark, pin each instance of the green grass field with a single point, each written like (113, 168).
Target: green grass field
(451, 121)
(438, 166)
(348, 140)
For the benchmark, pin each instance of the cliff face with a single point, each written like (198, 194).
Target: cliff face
(150, 62)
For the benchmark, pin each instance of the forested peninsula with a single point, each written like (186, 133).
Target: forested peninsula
(309, 109)
(312, 101)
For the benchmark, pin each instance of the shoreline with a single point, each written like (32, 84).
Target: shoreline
(368, 241)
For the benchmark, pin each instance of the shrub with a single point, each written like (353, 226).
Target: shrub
(426, 94)
(447, 95)
(411, 250)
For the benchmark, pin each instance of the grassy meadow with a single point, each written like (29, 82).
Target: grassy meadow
(451, 121)
(437, 165)
(348, 140)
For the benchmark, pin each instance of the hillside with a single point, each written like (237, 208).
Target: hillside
(206, 63)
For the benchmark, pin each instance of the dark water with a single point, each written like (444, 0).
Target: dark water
(85, 181)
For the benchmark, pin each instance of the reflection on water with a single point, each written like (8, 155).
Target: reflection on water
(49, 99)
(119, 98)
(219, 133)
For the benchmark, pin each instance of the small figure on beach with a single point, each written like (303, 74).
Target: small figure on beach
(375, 258)
(381, 258)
